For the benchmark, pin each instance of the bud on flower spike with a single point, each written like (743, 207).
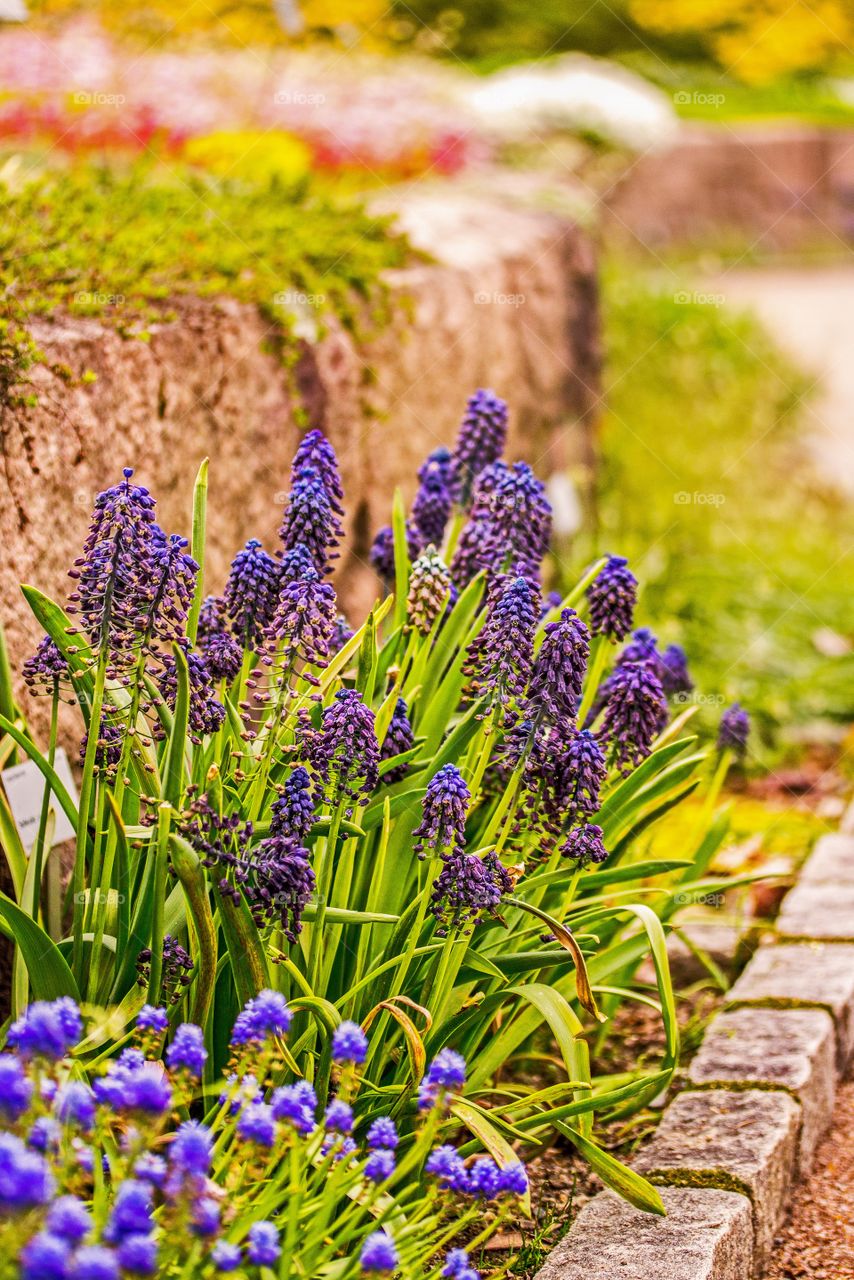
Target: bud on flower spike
(612, 597)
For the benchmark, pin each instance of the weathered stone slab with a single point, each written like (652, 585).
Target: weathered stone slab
(792, 1049)
(707, 1235)
(736, 1141)
(831, 862)
(804, 975)
(822, 911)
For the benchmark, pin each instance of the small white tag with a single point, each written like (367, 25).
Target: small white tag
(25, 787)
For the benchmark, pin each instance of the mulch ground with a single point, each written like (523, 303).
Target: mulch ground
(817, 1242)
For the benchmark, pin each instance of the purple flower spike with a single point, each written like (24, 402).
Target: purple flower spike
(251, 592)
(311, 520)
(187, 1051)
(316, 451)
(207, 713)
(381, 554)
(257, 1124)
(398, 739)
(113, 575)
(585, 770)
(45, 670)
(635, 712)
(383, 1133)
(349, 1043)
(152, 1019)
(16, 1090)
(45, 1257)
(296, 1104)
(443, 818)
(481, 438)
(429, 589)
(380, 1165)
(223, 655)
(558, 675)
(378, 1255)
(263, 1247)
(342, 633)
(474, 551)
(466, 887)
(344, 751)
(446, 1074)
(612, 597)
(265, 1016)
(514, 505)
(675, 677)
(191, 1149)
(47, 1029)
(584, 845)
(281, 883)
(293, 813)
(432, 507)
(25, 1178)
(169, 591)
(734, 730)
(304, 620)
(500, 658)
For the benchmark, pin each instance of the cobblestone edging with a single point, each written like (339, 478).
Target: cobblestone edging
(760, 1097)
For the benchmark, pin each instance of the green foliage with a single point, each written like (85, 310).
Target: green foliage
(703, 484)
(370, 948)
(123, 245)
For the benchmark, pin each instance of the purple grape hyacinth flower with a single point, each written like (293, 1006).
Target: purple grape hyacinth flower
(46, 669)
(585, 769)
(445, 1074)
(293, 813)
(481, 438)
(635, 713)
(378, 1254)
(251, 592)
(207, 713)
(16, 1090)
(383, 1133)
(261, 1018)
(433, 503)
(263, 1247)
(113, 574)
(734, 730)
(443, 818)
(465, 888)
(558, 675)
(187, 1051)
(344, 751)
(304, 619)
(675, 677)
(500, 658)
(46, 1029)
(519, 518)
(349, 1043)
(310, 519)
(45, 1257)
(612, 596)
(398, 739)
(315, 451)
(381, 554)
(280, 884)
(222, 654)
(585, 845)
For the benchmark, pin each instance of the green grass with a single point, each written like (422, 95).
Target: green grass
(703, 484)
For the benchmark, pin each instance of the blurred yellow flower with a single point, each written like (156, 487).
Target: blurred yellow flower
(759, 40)
(251, 156)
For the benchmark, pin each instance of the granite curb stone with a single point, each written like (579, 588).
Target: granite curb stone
(831, 862)
(820, 911)
(817, 975)
(736, 1141)
(707, 1235)
(791, 1049)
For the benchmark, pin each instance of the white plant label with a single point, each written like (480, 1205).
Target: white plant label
(25, 786)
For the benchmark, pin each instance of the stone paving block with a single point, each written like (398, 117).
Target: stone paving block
(736, 1141)
(792, 1049)
(831, 861)
(822, 911)
(803, 975)
(707, 1235)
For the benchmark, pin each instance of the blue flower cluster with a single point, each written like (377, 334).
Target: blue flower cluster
(108, 1179)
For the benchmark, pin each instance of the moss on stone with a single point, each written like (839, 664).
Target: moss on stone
(123, 247)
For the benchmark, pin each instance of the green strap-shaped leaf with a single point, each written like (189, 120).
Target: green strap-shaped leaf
(50, 976)
(628, 1184)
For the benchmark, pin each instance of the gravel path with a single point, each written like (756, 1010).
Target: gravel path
(817, 1242)
(810, 311)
